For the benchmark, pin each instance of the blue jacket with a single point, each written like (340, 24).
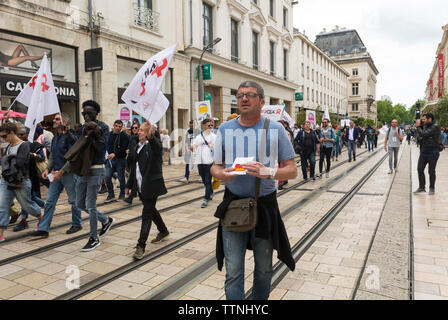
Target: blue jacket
(60, 144)
(355, 133)
(299, 140)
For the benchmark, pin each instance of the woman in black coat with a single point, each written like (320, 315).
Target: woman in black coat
(146, 177)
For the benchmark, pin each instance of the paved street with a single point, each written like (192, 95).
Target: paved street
(364, 253)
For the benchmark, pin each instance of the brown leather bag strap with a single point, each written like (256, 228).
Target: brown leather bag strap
(262, 152)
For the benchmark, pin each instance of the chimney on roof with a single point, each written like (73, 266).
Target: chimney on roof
(336, 28)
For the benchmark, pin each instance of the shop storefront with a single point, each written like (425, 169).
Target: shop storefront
(20, 58)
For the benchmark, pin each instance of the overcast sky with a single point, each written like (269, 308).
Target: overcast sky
(401, 36)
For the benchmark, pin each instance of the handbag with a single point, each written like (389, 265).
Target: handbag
(242, 214)
(41, 167)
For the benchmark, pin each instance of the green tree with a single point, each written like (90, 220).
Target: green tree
(301, 117)
(360, 122)
(385, 112)
(370, 122)
(400, 113)
(441, 111)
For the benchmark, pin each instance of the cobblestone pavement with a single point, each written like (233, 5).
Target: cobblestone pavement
(334, 267)
(430, 221)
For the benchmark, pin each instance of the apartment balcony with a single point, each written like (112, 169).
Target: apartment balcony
(146, 18)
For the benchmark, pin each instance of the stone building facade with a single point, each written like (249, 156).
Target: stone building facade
(346, 48)
(321, 80)
(256, 45)
(438, 78)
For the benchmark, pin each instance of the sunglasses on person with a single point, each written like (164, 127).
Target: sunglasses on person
(134, 127)
(210, 125)
(4, 136)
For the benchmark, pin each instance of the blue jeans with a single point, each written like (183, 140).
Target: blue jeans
(351, 148)
(118, 166)
(235, 244)
(86, 192)
(35, 196)
(336, 149)
(187, 171)
(23, 196)
(68, 181)
(371, 143)
(204, 172)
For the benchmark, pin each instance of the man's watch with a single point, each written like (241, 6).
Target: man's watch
(271, 173)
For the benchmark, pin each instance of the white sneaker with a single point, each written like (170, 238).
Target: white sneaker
(327, 175)
(184, 180)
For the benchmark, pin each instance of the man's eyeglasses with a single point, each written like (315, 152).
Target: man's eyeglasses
(250, 95)
(57, 119)
(4, 136)
(210, 126)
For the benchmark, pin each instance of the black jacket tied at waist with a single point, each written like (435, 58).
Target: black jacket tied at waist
(269, 225)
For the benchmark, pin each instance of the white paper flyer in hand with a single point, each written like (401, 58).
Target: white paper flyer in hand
(237, 165)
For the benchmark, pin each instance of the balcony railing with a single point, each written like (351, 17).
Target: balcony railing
(146, 18)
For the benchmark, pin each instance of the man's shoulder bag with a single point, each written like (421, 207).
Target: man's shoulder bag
(242, 214)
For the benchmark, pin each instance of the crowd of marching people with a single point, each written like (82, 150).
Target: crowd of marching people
(86, 158)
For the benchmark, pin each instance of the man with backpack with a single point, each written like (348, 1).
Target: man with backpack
(393, 141)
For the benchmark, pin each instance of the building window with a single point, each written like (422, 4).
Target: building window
(234, 40)
(272, 57)
(303, 70)
(312, 95)
(207, 18)
(255, 50)
(303, 48)
(271, 8)
(355, 72)
(144, 16)
(255, 1)
(354, 107)
(308, 73)
(285, 17)
(355, 89)
(307, 94)
(312, 75)
(285, 64)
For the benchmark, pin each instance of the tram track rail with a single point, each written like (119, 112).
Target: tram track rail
(301, 247)
(121, 271)
(20, 236)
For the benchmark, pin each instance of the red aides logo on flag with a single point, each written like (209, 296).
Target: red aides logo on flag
(45, 87)
(155, 69)
(33, 82)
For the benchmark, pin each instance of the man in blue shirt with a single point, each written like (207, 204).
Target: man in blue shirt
(241, 138)
(62, 141)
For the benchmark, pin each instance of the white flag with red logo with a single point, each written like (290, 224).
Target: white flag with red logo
(40, 97)
(143, 94)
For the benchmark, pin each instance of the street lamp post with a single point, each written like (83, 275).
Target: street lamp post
(200, 78)
(339, 104)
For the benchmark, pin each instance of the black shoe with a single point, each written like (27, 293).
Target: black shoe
(109, 199)
(106, 226)
(14, 219)
(349, 160)
(354, 159)
(91, 244)
(128, 200)
(73, 229)
(103, 189)
(419, 190)
(431, 191)
(21, 226)
(39, 233)
(121, 197)
(159, 237)
(280, 187)
(313, 178)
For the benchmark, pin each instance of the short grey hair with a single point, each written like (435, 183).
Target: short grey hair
(66, 118)
(253, 84)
